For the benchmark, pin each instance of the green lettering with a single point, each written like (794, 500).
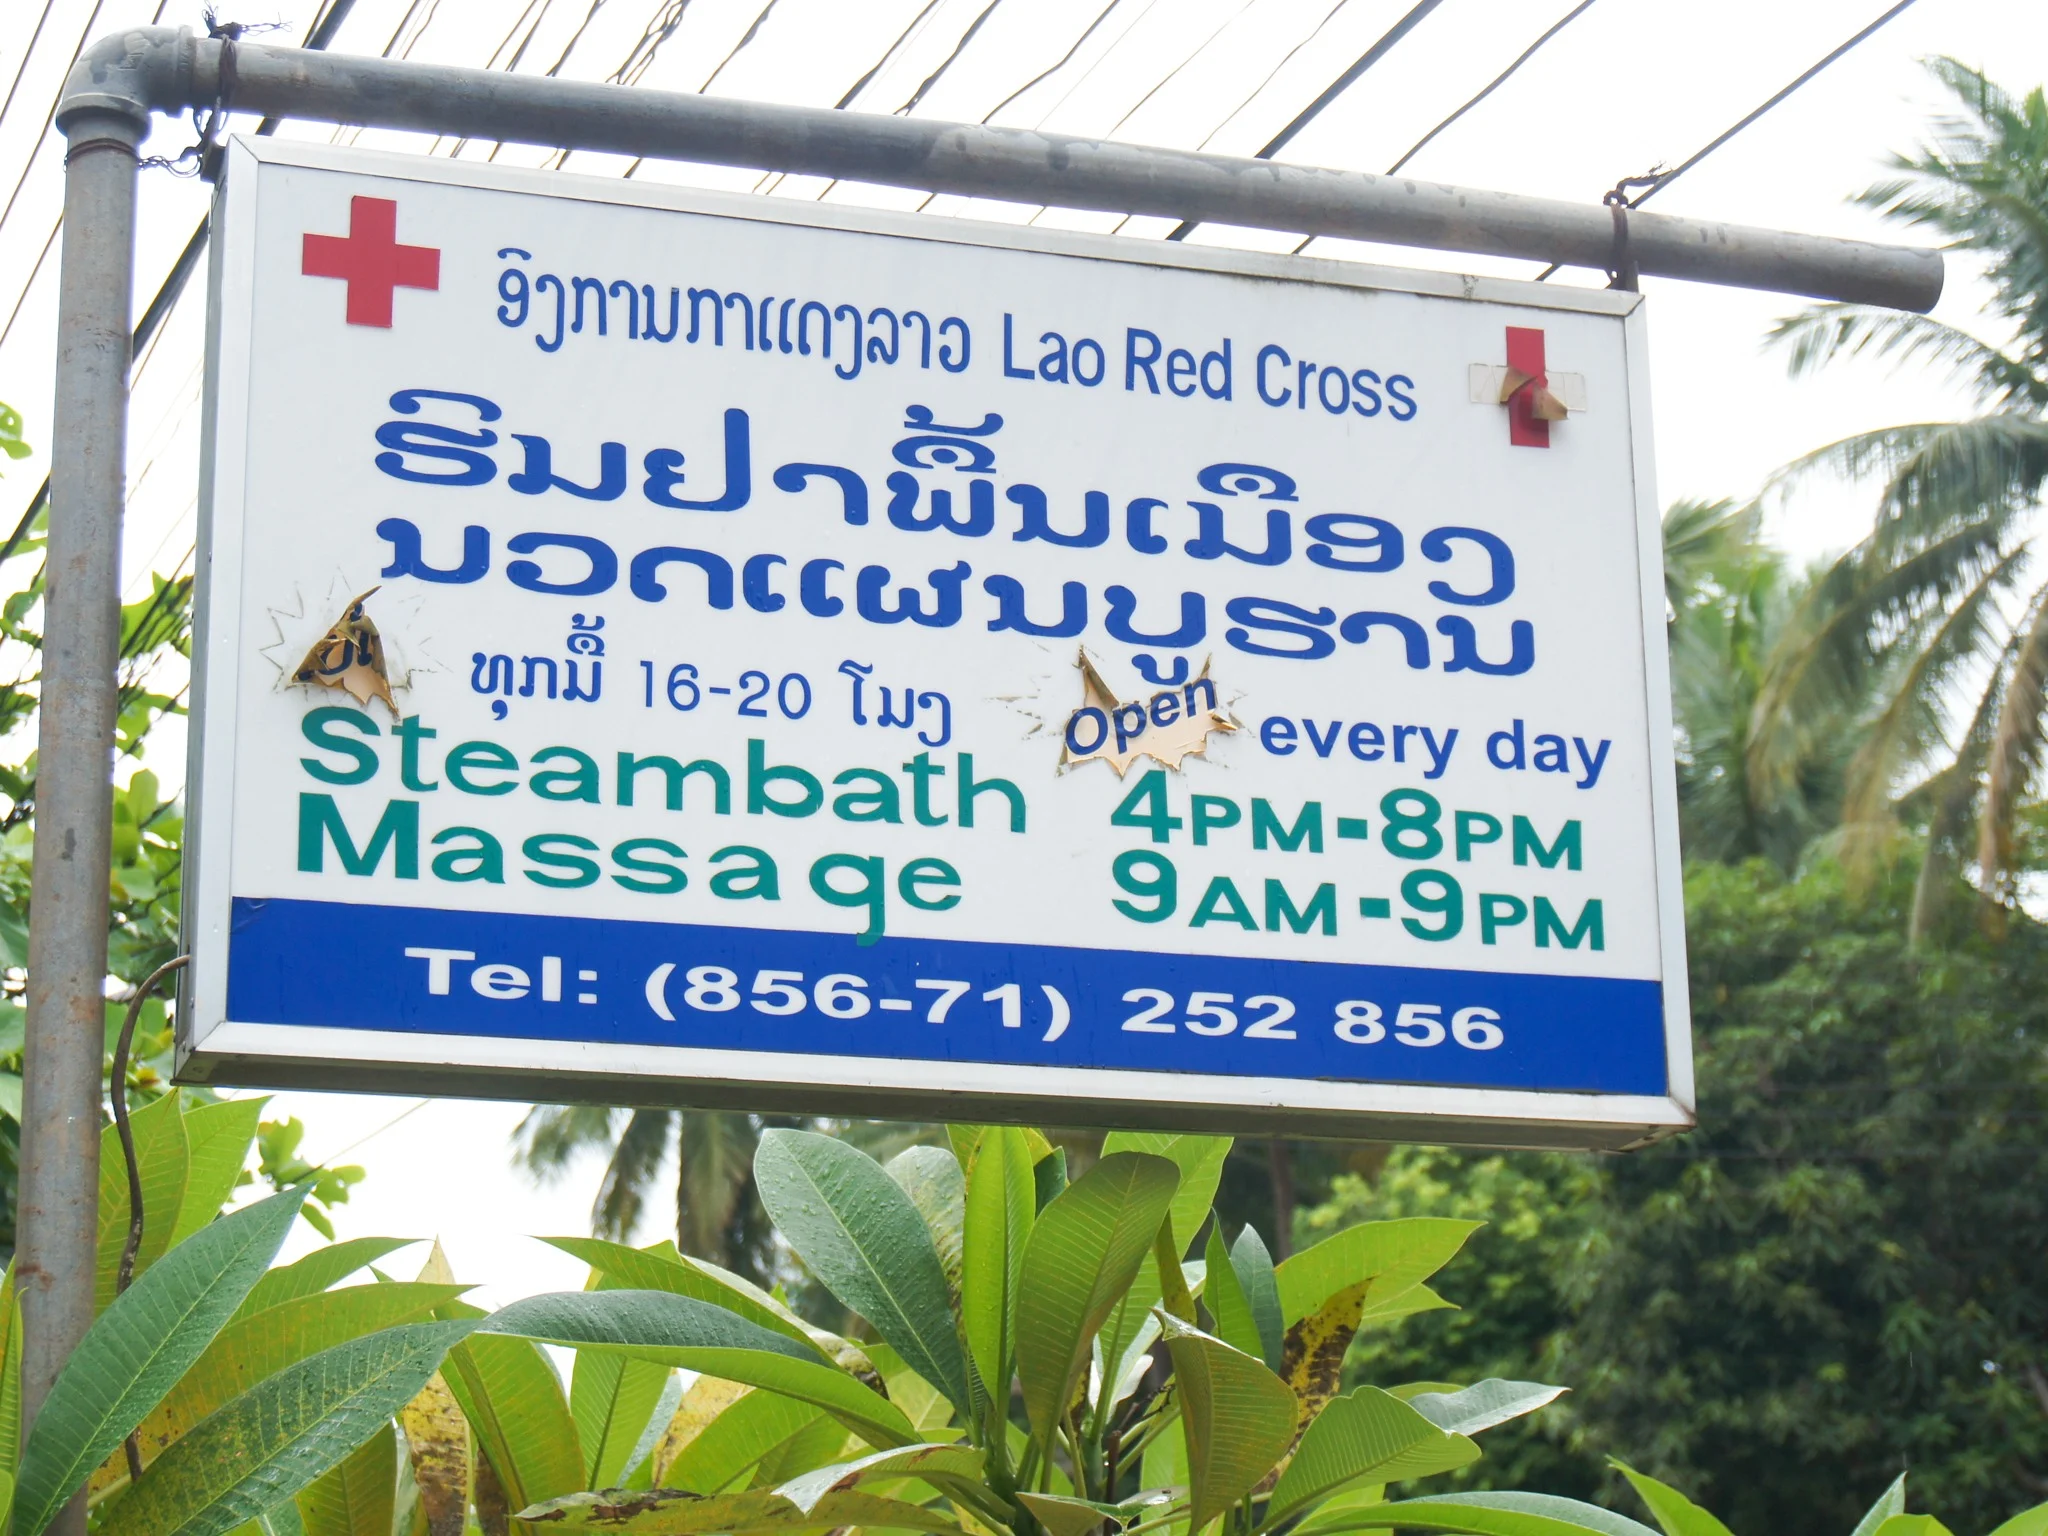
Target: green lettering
(1566, 846)
(1589, 926)
(397, 829)
(1321, 907)
(481, 859)
(582, 871)
(318, 728)
(1308, 826)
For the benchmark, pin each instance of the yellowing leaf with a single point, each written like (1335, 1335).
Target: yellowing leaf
(437, 1439)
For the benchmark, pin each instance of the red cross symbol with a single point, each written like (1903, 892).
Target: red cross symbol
(1526, 390)
(371, 261)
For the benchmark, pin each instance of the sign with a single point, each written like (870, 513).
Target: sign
(751, 652)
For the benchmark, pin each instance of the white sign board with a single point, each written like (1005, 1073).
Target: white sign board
(890, 665)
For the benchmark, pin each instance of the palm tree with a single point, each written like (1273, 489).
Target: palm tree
(1731, 600)
(719, 1216)
(1936, 598)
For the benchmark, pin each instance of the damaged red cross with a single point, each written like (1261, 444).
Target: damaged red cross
(371, 261)
(1526, 392)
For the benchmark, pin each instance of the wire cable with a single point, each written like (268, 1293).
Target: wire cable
(1658, 180)
(1492, 85)
(739, 47)
(1064, 60)
(26, 54)
(1272, 74)
(321, 36)
(1308, 114)
(1484, 91)
(959, 48)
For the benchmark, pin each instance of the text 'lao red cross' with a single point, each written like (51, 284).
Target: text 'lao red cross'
(371, 261)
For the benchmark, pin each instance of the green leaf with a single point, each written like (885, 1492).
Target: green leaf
(317, 1271)
(162, 1155)
(10, 1385)
(355, 1498)
(10, 1095)
(749, 1432)
(680, 1331)
(611, 1398)
(859, 1233)
(263, 1343)
(664, 1269)
(1164, 1464)
(1253, 1266)
(1049, 1177)
(1224, 1296)
(1369, 1436)
(139, 1347)
(2028, 1522)
(1072, 1517)
(1396, 1256)
(1483, 1404)
(1238, 1416)
(218, 1137)
(510, 1395)
(671, 1512)
(1677, 1514)
(1000, 1207)
(932, 1178)
(932, 1463)
(1913, 1525)
(1490, 1514)
(1891, 1502)
(273, 1440)
(1085, 1249)
(1200, 1161)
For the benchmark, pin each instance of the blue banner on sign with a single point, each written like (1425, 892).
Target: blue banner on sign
(420, 970)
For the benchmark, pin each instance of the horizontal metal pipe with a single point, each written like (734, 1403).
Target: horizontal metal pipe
(1016, 165)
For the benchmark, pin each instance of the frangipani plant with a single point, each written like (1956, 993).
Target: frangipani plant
(1052, 1357)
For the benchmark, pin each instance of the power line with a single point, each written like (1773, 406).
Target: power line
(1064, 60)
(1658, 180)
(1494, 84)
(26, 54)
(327, 24)
(959, 48)
(1485, 91)
(1665, 178)
(739, 47)
(1272, 74)
(1336, 88)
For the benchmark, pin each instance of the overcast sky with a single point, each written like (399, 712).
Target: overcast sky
(1630, 85)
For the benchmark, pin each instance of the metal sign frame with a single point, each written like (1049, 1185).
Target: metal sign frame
(214, 1048)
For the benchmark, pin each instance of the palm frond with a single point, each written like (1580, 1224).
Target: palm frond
(1706, 545)
(1908, 725)
(1825, 333)
(2016, 751)
(550, 1136)
(1851, 620)
(622, 1193)
(715, 1170)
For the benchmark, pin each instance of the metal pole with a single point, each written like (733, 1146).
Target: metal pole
(169, 71)
(67, 965)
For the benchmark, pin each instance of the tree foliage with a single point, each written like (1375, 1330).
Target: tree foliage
(1938, 598)
(1837, 1277)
